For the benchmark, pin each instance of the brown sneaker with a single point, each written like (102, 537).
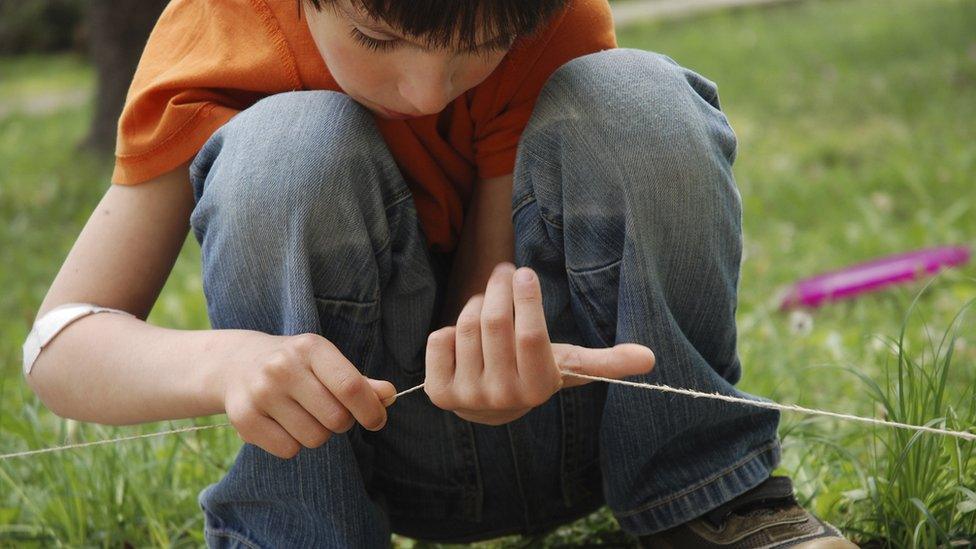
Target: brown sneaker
(766, 517)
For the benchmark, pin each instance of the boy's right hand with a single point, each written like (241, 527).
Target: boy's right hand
(285, 392)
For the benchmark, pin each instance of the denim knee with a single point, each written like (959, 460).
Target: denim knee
(643, 95)
(279, 158)
(629, 132)
(297, 177)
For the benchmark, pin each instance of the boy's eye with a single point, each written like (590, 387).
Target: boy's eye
(501, 44)
(370, 42)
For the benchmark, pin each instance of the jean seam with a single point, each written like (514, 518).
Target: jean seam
(530, 197)
(518, 475)
(398, 198)
(594, 270)
(455, 488)
(565, 440)
(340, 301)
(224, 532)
(586, 466)
(574, 447)
(579, 511)
(709, 480)
(467, 475)
(609, 339)
(525, 201)
(479, 480)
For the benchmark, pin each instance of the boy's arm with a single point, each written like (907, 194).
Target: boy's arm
(487, 239)
(115, 369)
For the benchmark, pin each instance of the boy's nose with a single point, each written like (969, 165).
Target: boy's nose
(428, 90)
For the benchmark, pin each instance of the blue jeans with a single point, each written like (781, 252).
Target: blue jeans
(625, 205)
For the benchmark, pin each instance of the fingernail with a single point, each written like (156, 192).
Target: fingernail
(503, 265)
(524, 275)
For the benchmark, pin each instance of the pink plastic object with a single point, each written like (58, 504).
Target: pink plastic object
(873, 275)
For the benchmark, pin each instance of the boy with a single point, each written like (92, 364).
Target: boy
(362, 176)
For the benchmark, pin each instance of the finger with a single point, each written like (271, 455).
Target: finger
(495, 418)
(314, 397)
(385, 390)
(299, 423)
(265, 433)
(440, 367)
(348, 385)
(536, 364)
(469, 361)
(625, 359)
(498, 328)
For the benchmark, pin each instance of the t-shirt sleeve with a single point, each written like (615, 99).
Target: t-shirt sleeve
(585, 26)
(205, 61)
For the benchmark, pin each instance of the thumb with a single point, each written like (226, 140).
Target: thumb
(384, 389)
(625, 359)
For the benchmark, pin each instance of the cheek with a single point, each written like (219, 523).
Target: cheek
(355, 70)
(477, 71)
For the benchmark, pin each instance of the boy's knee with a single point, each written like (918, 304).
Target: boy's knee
(283, 154)
(306, 121)
(630, 133)
(610, 77)
(639, 100)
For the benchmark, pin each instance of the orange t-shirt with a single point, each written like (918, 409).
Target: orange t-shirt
(206, 60)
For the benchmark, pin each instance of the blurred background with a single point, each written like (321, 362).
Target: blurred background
(108, 34)
(856, 122)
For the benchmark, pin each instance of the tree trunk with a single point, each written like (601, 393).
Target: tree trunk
(117, 33)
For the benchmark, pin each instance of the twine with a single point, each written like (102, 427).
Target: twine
(965, 435)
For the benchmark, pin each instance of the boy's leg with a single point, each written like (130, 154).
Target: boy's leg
(306, 226)
(625, 205)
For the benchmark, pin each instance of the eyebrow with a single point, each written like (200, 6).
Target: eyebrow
(499, 40)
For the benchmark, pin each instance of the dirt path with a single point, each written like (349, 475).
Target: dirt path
(45, 103)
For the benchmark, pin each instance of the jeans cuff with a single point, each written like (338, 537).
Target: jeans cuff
(704, 496)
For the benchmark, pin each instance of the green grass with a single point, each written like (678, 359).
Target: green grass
(918, 489)
(856, 139)
(29, 75)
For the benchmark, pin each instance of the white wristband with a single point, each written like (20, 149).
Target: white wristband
(52, 323)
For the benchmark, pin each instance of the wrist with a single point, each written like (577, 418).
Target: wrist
(224, 351)
(210, 386)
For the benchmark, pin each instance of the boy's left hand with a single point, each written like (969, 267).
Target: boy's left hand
(497, 363)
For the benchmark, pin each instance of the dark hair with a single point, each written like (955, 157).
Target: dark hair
(445, 23)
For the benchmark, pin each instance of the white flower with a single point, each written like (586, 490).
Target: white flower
(960, 345)
(882, 202)
(835, 344)
(801, 323)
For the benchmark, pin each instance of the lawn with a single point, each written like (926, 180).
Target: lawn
(857, 138)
